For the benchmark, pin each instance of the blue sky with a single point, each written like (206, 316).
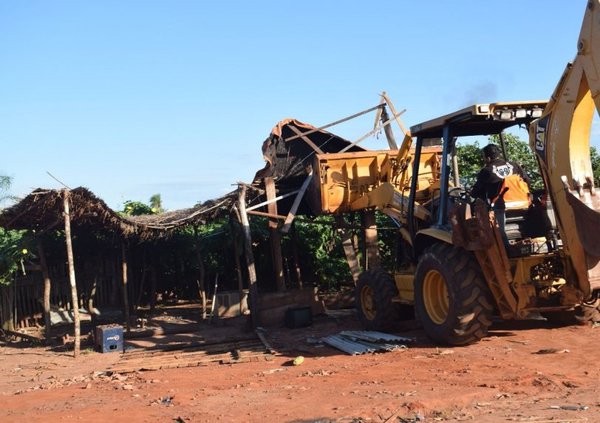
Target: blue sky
(133, 98)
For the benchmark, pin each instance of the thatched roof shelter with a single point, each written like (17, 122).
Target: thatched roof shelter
(42, 210)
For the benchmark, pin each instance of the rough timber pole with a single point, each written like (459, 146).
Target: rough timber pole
(348, 246)
(253, 294)
(72, 280)
(372, 249)
(125, 296)
(47, 288)
(238, 266)
(275, 236)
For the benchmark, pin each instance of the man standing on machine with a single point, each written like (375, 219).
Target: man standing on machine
(502, 184)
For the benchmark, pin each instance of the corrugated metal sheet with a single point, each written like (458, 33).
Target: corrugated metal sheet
(363, 342)
(374, 336)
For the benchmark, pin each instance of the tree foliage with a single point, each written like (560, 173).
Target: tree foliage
(595, 165)
(138, 208)
(13, 244)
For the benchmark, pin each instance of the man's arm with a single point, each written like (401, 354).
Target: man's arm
(478, 190)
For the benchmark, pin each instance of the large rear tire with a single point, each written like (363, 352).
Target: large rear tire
(452, 299)
(373, 296)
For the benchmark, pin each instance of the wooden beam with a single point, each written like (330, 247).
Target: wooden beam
(263, 214)
(396, 115)
(47, 288)
(306, 140)
(124, 286)
(264, 203)
(368, 134)
(337, 122)
(292, 214)
(275, 236)
(72, 280)
(253, 288)
(389, 134)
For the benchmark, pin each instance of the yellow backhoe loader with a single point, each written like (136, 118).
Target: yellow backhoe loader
(453, 265)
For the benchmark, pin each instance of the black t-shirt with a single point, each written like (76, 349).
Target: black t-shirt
(489, 180)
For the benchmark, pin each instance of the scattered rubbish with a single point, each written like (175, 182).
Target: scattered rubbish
(270, 372)
(569, 407)
(552, 351)
(569, 384)
(298, 360)
(516, 341)
(167, 401)
(363, 342)
(320, 372)
(443, 352)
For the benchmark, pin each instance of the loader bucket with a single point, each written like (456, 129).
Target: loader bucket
(586, 210)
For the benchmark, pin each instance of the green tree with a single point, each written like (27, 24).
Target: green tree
(595, 165)
(156, 204)
(5, 184)
(13, 244)
(136, 208)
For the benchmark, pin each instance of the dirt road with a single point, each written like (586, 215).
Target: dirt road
(524, 372)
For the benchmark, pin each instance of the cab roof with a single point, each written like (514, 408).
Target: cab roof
(481, 119)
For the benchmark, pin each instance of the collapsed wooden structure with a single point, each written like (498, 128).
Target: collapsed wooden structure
(279, 192)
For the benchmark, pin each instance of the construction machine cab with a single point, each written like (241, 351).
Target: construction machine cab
(478, 119)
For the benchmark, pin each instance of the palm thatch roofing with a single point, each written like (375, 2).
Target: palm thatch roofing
(288, 151)
(43, 209)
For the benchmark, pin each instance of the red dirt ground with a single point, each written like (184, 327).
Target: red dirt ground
(502, 378)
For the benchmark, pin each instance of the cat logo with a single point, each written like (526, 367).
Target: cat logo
(540, 136)
(503, 171)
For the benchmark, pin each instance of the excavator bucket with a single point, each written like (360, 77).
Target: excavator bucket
(561, 141)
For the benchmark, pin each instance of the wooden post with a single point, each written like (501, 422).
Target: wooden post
(47, 288)
(153, 283)
(253, 288)
(275, 236)
(238, 266)
(125, 296)
(296, 256)
(372, 248)
(142, 280)
(348, 246)
(72, 280)
(200, 280)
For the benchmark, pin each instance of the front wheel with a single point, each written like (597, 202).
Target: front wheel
(452, 299)
(374, 296)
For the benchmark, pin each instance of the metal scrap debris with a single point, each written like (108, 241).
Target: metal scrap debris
(552, 351)
(363, 342)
